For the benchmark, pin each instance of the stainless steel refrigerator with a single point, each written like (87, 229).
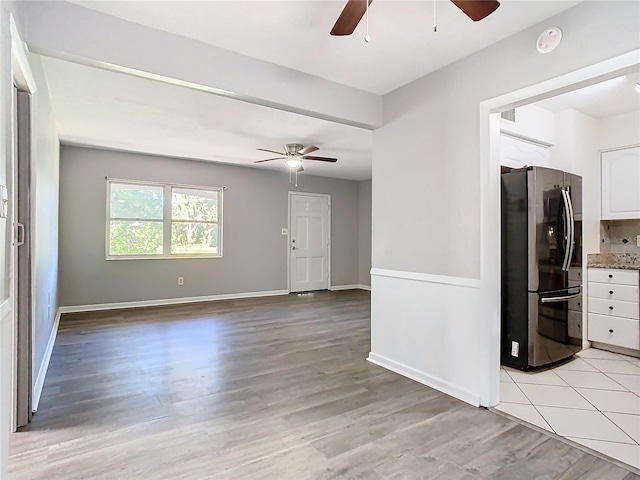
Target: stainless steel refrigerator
(541, 267)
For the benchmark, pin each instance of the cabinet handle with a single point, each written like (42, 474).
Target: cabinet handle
(610, 308)
(610, 292)
(611, 330)
(610, 275)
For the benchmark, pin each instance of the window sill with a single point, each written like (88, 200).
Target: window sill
(161, 257)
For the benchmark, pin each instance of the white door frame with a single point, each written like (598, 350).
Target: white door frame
(490, 200)
(328, 197)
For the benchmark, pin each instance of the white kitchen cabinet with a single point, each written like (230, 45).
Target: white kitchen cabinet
(621, 184)
(517, 153)
(614, 307)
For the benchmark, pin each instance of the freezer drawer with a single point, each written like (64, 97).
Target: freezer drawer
(626, 293)
(614, 308)
(611, 275)
(622, 332)
(554, 334)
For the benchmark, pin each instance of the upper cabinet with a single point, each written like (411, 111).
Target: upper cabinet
(621, 184)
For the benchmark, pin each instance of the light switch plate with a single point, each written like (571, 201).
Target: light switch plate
(638, 240)
(515, 349)
(285, 231)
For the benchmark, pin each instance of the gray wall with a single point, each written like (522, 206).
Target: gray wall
(432, 219)
(364, 232)
(45, 160)
(255, 211)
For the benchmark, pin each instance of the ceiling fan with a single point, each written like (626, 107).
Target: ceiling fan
(354, 10)
(294, 154)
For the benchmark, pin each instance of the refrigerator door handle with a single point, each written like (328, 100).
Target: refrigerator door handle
(572, 223)
(563, 298)
(569, 236)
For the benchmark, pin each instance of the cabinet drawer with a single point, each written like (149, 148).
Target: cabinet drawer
(626, 293)
(607, 275)
(614, 308)
(614, 331)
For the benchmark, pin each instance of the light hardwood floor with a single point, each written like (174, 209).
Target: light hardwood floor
(269, 388)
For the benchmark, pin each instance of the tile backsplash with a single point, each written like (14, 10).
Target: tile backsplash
(619, 236)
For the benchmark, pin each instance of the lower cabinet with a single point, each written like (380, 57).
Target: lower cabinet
(614, 307)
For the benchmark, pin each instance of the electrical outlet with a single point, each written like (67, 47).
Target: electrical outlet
(180, 280)
(515, 349)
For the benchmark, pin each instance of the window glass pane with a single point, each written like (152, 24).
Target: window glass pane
(136, 201)
(135, 238)
(194, 238)
(187, 204)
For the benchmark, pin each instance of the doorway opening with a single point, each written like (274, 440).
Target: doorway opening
(309, 245)
(575, 150)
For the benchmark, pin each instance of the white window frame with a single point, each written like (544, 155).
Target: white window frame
(166, 220)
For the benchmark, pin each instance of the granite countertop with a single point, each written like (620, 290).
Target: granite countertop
(626, 261)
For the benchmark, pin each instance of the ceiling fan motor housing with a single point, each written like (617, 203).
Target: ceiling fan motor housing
(292, 148)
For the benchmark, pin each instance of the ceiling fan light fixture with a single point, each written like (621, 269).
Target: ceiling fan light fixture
(293, 162)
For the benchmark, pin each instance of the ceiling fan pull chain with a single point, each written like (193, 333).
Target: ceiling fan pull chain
(296, 177)
(289, 175)
(435, 22)
(367, 38)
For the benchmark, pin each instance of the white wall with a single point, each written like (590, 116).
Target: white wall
(426, 192)
(45, 167)
(619, 131)
(532, 123)
(364, 232)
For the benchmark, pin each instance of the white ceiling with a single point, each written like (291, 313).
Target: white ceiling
(105, 109)
(605, 99)
(295, 34)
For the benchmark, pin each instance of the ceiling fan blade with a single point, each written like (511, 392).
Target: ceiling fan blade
(269, 159)
(270, 151)
(477, 9)
(321, 159)
(350, 17)
(308, 149)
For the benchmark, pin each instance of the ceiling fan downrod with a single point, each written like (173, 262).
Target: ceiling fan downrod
(367, 38)
(435, 22)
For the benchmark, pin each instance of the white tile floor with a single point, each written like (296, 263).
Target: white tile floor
(593, 400)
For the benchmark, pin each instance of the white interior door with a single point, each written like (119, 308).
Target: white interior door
(309, 242)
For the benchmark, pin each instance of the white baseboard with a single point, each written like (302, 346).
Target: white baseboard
(169, 301)
(425, 379)
(355, 286)
(44, 366)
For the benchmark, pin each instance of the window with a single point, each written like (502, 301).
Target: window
(153, 220)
